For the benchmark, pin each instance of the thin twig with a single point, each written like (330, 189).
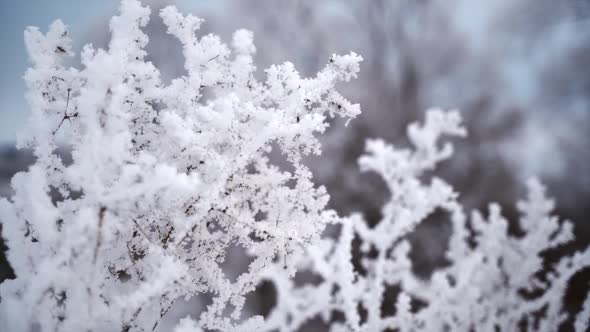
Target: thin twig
(142, 232)
(66, 115)
(99, 235)
(213, 58)
(162, 314)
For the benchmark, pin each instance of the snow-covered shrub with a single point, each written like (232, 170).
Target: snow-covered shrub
(494, 280)
(166, 179)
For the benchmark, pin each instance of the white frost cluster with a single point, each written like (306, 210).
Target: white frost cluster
(166, 179)
(492, 282)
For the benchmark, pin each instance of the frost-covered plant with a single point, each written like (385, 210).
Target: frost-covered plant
(165, 179)
(494, 281)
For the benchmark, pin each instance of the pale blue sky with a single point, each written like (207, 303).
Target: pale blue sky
(15, 16)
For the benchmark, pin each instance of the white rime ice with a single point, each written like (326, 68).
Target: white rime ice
(167, 178)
